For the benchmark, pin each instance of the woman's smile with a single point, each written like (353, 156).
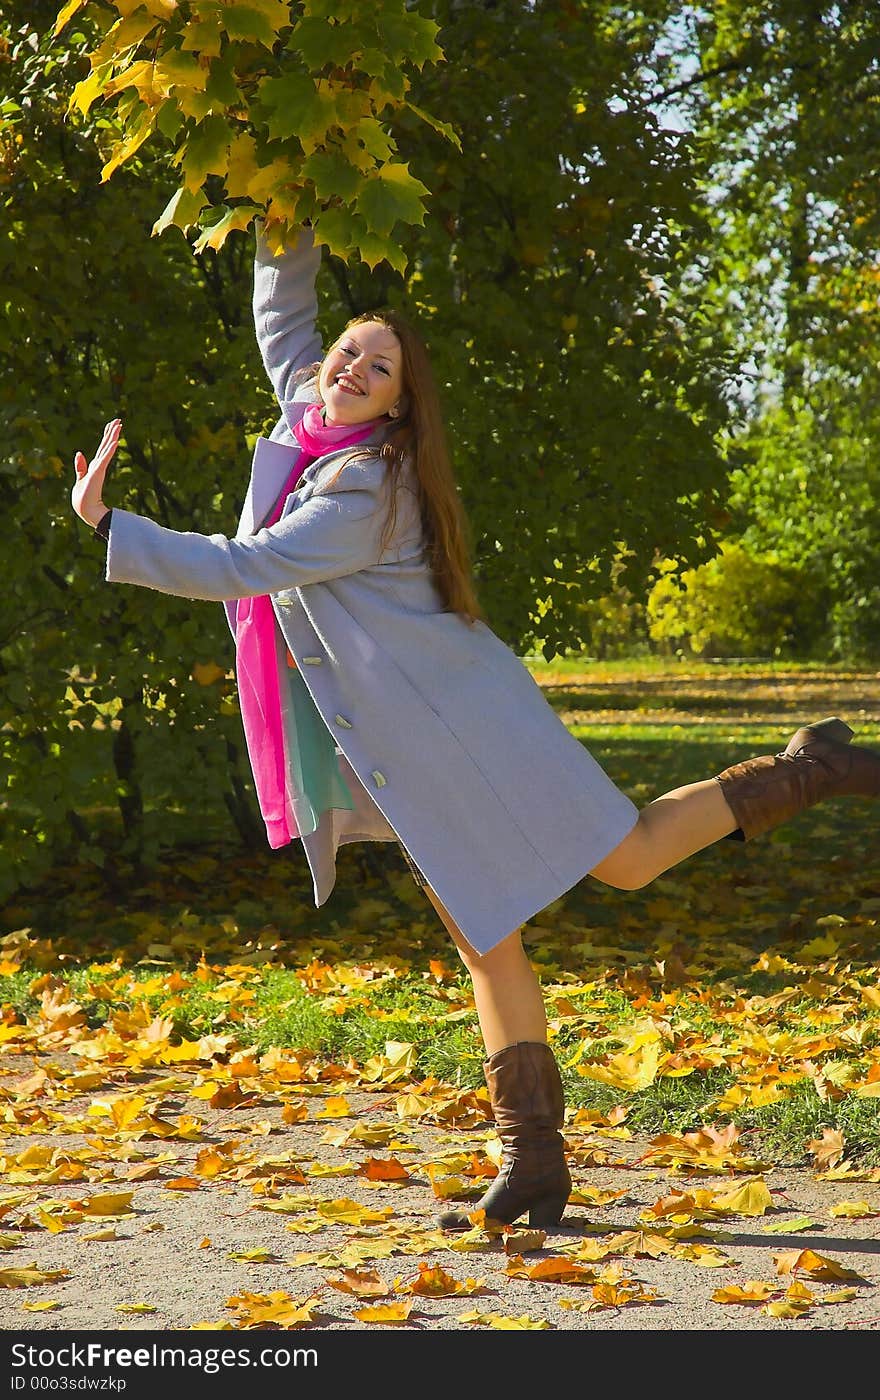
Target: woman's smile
(348, 385)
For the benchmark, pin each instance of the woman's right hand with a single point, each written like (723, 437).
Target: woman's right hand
(87, 494)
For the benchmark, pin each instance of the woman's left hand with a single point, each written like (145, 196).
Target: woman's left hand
(86, 496)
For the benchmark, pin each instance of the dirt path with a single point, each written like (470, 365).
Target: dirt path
(247, 1180)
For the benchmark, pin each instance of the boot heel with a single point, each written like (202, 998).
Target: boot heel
(834, 729)
(548, 1211)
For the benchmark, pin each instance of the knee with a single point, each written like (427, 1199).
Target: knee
(629, 865)
(622, 876)
(496, 961)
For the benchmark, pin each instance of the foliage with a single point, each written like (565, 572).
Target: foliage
(782, 98)
(808, 493)
(264, 108)
(734, 605)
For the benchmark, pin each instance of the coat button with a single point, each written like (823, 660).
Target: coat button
(378, 778)
(311, 660)
(342, 722)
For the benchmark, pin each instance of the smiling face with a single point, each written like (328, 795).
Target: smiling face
(362, 375)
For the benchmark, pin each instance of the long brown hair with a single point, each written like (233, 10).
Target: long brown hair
(419, 434)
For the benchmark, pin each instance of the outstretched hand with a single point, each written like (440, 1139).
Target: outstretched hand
(86, 496)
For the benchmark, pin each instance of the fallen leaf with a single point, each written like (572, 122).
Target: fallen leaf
(347, 1212)
(789, 1227)
(816, 1266)
(753, 1291)
(432, 1281)
(828, 1150)
(506, 1324)
(364, 1283)
(523, 1241)
(30, 1277)
(386, 1312)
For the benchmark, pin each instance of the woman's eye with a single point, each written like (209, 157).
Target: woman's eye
(382, 369)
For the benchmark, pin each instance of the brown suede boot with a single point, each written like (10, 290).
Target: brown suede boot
(818, 762)
(525, 1091)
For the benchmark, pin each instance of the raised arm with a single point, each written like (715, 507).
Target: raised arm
(285, 307)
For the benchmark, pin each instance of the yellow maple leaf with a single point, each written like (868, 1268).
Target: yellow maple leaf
(277, 1308)
(386, 1312)
(364, 1283)
(506, 1324)
(523, 1241)
(336, 1106)
(817, 1266)
(106, 1203)
(750, 1197)
(828, 1150)
(433, 1281)
(31, 1276)
(852, 1210)
(556, 1269)
(347, 1212)
(752, 1291)
(632, 1071)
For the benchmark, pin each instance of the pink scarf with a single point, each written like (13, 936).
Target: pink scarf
(259, 687)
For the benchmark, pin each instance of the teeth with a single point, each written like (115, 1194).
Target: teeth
(347, 383)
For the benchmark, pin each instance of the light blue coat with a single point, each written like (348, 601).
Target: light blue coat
(445, 739)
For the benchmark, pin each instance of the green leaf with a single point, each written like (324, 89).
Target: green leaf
(375, 139)
(177, 68)
(340, 229)
(169, 118)
(221, 86)
(320, 43)
(333, 9)
(409, 38)
(444, 128)
(390, 195)
(332, 175)
(289, 104)
(202, 36)
(374, 250)
(258, 21)
(206, 151)
(181, 211)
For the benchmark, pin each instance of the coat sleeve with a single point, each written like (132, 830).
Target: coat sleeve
(329, 535)
(285, 307)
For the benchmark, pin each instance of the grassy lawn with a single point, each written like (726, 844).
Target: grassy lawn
(741, 987)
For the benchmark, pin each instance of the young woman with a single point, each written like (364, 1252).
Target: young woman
(378, 705)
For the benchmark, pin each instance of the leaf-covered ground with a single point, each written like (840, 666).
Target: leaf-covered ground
(198, 1069)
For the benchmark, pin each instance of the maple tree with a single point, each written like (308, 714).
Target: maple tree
(284, 108)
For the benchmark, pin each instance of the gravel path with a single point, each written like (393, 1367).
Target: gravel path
(176, 1252)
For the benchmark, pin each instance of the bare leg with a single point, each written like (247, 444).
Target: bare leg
(507, 993)
(668, 829)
